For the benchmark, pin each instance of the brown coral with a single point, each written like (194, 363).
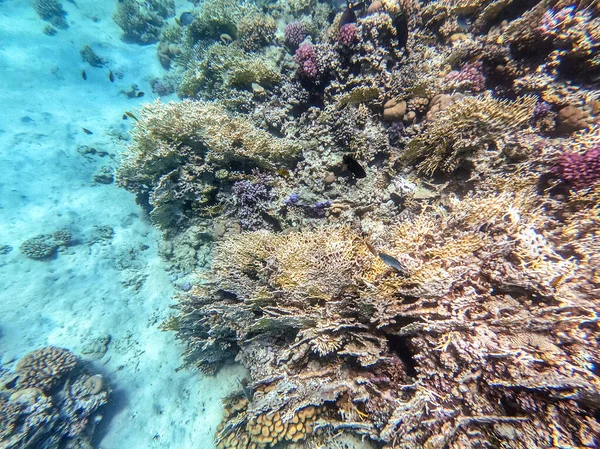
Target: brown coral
(44, 367)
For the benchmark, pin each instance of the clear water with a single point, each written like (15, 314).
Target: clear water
(107, 280)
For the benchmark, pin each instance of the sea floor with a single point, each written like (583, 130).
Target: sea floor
(104, 296)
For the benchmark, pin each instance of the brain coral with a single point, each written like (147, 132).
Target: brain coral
(44, 367)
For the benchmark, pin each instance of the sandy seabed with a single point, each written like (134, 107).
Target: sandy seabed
(101, 298)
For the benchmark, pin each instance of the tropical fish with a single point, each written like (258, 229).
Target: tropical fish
(186, 18)
(464, 22)
(84, 75)
(349, 16)
(129, 114)
(111, 76)
(87, 131)
(354, 167)
(245, 389)
(392, 262)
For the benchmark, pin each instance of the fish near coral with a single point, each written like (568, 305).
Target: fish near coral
(392, 262)
(354, 167)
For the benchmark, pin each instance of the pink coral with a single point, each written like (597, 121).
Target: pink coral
(347, 35)
(294, 34)
(306, 58)
(470, 77)
(580, 171)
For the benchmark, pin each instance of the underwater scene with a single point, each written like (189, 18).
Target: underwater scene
(299, 224)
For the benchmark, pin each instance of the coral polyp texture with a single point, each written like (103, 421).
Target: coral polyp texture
(50, 400)
(400, 202)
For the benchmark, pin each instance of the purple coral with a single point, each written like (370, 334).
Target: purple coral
(251, 199)
(318, 210)
(470, 77)
(291, 200)
(347, 35)
(306, 57)
(294, 34)
(553, 22)
(580, 171)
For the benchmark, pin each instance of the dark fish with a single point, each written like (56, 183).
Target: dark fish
(124, 116)
(401, 24)
(84, 75)
(140, 94)
(87, 131)
(464, 22)
(354, 167)
(129, 114)
(245, 389)
(348, 16)
(111, 76)
(186, 18)
(392, 262)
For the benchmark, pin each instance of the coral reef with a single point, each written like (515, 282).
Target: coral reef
(399, 207)
(51, 11)
(142, 23)
(256, 31)
(580, 171)
(44, 246)
(49, 401)
(294, 34)
(468, 125)
(178, 149)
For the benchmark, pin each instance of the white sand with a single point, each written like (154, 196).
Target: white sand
(93, 290)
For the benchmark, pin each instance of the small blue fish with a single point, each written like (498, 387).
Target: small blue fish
(392, 262)
(464, 22)
(186, 18)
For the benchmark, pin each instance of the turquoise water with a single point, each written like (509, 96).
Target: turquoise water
(299, 224)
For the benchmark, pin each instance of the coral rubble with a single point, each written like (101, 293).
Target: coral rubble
(400, 203)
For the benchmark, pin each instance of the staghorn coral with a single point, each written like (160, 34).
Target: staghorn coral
(143, 23)
(53, 403)
(468, 125)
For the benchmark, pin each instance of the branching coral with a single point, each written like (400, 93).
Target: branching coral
(224, 67)
(256, 31)
(216, 17)
(142, 23)
(177, 147)
(468, 125)
(51, 11)
(376, 350)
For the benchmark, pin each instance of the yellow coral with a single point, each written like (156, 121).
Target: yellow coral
(468, 125)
